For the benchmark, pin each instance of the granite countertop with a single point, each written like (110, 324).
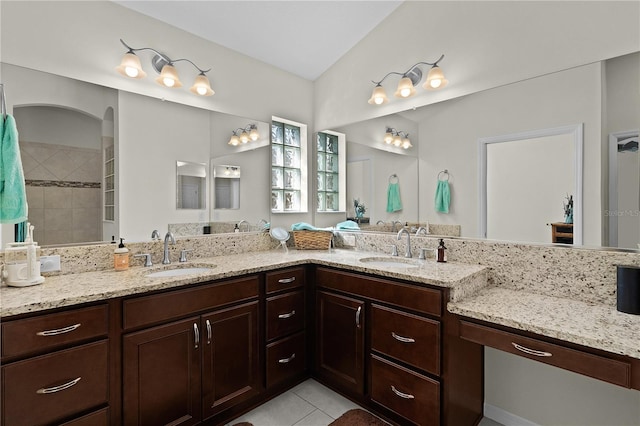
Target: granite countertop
(593, 325)
(71, 289)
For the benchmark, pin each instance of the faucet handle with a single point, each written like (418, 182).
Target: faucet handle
(147, 258)
(423, 253)
(394, 250)
(183, 254)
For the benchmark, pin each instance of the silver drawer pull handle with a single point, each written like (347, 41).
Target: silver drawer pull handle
(287, 280)
(530, 351)
(287, 360)
(196, 334)
(289, 315)
(358, 316)
(58, 388)
(208, 332)
(401, 394)
(58, 331)
(402, 339)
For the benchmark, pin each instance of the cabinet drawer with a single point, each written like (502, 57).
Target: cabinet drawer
(409, 394)
(51, 387)
(406, 337)
(156, 308)
(421, 299)
(98, 418)
(599, 367)
(285, 314)
(46, 332)
(285, 279)
(285, 359)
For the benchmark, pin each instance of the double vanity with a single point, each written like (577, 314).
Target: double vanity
(207, 340)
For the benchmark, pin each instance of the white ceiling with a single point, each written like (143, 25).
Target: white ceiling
(301, 37)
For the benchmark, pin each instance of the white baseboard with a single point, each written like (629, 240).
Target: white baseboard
(504, 417)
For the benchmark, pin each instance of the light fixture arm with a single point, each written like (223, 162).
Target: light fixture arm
(409, 72)
(161, 59)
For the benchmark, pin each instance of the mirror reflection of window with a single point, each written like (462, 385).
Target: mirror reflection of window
(226, 183)
(191, 185)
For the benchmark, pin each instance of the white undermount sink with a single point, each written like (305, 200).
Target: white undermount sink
(391, 262)
(179, 272)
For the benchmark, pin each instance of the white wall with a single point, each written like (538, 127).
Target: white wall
(153, 135)
(449, 132)
(486, 45)
(547, 395)
(80, 39)
(58, 126)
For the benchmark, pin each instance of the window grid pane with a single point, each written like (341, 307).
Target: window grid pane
(328, 176)
(286, 163)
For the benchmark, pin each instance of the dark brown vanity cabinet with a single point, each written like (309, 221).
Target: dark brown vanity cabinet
(55, 368)
(186, 370)
(340, 341)
(386, 344)
(285, 325)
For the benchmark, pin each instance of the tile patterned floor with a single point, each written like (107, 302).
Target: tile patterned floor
(308, 404)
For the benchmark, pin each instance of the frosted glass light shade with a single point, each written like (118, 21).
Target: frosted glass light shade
(169, 77)
(130, 66)
(388, 138)
(397, 141)
(378, 97)
(253, 134)
(244, 137)
(405, 88)
(435, 79)
(201, 86)
(406, 143)
(234, 141)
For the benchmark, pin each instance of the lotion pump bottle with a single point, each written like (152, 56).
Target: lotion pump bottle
(442, 255)
(121, 257)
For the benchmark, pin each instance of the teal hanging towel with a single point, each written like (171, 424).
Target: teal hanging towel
(443, 194)
(394, 204)
(13, 198)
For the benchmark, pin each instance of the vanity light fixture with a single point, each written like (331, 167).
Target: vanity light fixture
(231, 170)
(397, 138)
(244, 135)
(131, 67)
(410, 78)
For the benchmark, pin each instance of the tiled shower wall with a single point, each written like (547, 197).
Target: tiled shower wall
(63, 192)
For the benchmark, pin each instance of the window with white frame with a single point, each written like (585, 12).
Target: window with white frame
(288, 166)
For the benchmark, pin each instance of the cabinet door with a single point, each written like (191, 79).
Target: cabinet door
(230, 369)
(161, 374)
(340, 341)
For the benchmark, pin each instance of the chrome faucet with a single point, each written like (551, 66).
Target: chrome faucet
(241, 222)
(407, 253)
(168, 236)
(155, 235)
(393, 225)
(421, 229)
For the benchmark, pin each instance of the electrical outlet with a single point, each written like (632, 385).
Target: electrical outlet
(49, 263)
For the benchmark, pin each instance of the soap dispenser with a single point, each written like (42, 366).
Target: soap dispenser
(121, 257)
(442, 255)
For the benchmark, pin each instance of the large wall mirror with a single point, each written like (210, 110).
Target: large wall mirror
(445, 137)
(102, 163)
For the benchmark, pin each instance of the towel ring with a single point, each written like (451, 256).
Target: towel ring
(392, 177)
(444, 172)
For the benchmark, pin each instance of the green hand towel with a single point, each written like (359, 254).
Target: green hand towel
(443, 196)
(13, 197)
(394, 204)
